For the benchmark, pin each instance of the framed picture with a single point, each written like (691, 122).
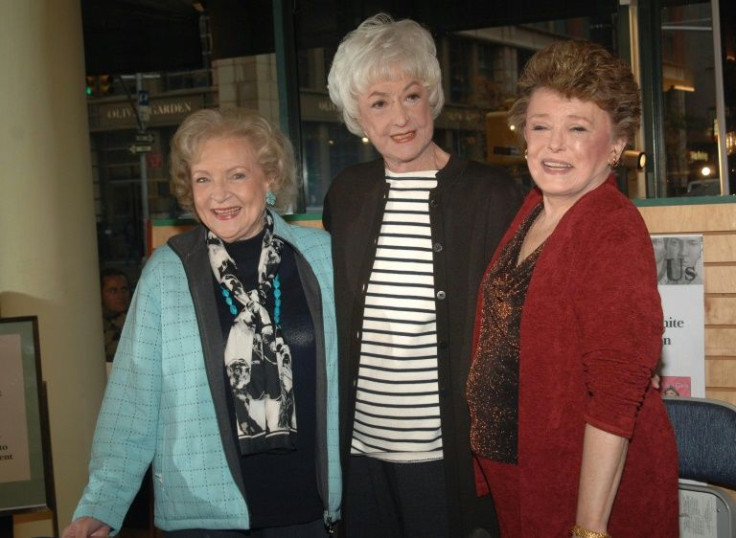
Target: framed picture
(26, 482)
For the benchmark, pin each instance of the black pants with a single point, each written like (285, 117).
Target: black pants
(314, 529)
(394, 500)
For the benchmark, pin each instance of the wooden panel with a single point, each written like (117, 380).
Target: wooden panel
(690, 219)
(313, 223)
(161, 234)
(720, 310)
(717, 223)
(720, 279)
(720, 373)
(726, 395)
(720, 342)
(719, 248)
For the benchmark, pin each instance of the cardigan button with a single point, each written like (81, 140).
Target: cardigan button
(441, 295)
(437, 247)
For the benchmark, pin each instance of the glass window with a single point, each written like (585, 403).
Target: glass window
(689, 102)
(460, 73)
(480, 68)
(727, 20)
(328, 148)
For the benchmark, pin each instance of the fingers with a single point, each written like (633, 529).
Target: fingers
(85, 527)
(656, 382)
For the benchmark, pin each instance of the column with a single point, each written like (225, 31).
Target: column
(48, 245)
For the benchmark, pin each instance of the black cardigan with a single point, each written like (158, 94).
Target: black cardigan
(470, 209)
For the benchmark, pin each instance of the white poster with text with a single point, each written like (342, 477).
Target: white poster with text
(680, 276)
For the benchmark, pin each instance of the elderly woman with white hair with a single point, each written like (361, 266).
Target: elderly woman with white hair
(225, 378)
(412, 233)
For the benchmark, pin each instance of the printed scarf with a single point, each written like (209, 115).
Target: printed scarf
(257, 359)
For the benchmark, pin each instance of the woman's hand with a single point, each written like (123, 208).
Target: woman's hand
(656, 382)
(84, 527)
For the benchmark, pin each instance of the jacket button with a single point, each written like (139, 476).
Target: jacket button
(437, 247)
(441, 295)
(433, 202)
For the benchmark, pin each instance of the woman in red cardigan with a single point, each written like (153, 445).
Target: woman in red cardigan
(567, 430)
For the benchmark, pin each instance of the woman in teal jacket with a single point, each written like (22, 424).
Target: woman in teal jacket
(225, 378)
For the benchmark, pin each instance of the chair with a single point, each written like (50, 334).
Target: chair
(705, 430)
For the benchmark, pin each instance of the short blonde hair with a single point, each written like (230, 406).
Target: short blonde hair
(383, 49)
(273, 151)
(584, 71)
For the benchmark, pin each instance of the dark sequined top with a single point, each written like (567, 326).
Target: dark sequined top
(493, 381)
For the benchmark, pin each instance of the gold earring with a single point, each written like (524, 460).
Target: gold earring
(615, 161)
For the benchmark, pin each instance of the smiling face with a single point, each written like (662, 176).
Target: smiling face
(396, 117)
(570, 144)
(229, 188)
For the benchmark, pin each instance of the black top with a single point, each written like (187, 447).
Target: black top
(281, 488)
(493, 381)
(469, 212)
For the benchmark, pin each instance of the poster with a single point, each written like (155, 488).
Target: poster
(24, 448)
(14, 458)
(680, 280)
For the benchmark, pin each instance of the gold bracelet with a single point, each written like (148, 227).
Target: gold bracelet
(580, 532)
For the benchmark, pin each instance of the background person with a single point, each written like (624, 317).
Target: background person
(569, 431)
(115, 290)
(225, 376)
(411, 234)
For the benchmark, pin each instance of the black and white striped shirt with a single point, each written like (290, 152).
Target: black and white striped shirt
(397, 415)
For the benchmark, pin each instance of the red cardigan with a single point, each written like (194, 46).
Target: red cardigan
(591, 335)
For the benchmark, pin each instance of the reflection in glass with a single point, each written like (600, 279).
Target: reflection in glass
(689, 101)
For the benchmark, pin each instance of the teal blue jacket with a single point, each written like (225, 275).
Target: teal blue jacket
(165, 402)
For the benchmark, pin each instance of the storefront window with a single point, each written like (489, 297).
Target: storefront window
(480, 65)
(480, 68)
(689, 98)
(328, 149)
(460, 73)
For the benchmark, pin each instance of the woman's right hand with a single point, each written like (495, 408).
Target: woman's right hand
(84, 527)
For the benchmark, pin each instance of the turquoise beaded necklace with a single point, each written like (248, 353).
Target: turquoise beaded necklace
(276, 300)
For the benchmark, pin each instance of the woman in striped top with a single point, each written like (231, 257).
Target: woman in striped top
(412, 232)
